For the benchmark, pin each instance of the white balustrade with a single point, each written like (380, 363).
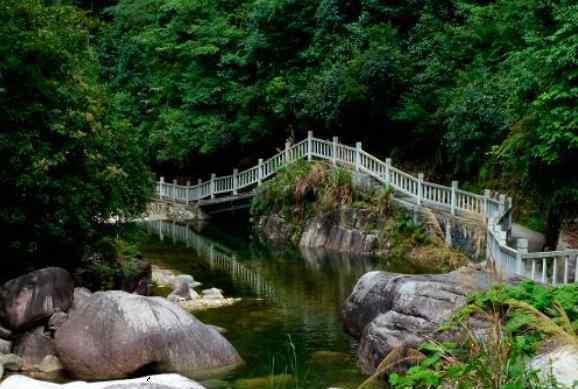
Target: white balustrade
(550, 267)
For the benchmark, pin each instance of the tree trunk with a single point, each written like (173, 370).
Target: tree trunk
(553, 226)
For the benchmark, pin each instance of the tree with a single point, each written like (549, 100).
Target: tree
(67, 163)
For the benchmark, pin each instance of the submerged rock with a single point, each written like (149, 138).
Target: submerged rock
(34, 297)
(161, 381)
(116, 334)
(387, 310)
(182, 292)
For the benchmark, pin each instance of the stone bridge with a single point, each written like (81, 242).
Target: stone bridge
(490, 211)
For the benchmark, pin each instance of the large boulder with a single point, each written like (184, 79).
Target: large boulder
(387, 311)
(34, 297)
(114, 334)
(161, 381)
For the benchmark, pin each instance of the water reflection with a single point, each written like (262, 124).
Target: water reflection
(289, 320)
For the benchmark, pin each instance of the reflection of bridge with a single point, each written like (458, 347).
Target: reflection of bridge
(217, 256)
(494, 211)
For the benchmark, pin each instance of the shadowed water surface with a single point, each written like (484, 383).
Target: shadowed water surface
(288, 324)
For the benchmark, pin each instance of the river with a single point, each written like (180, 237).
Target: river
(288, 323)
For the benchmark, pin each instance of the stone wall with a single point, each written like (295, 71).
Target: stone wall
(174, 211)
(345, 230)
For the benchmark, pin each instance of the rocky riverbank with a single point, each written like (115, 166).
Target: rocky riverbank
(183, 291)
(49, 327)
(394, 315)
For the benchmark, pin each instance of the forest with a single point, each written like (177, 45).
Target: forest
(100, 97)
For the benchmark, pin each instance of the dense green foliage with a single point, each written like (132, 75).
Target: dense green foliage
(91, 92)
(474, 86)
(68, 159)
(521, 319)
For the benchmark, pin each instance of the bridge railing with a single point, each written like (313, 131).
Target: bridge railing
(355, 158)
(496, 209)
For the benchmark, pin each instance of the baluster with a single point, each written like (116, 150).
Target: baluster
(555, 272)
(566, 268)
(533, 270)
(544, 271)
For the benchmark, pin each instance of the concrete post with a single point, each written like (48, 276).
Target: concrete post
(287, 156)
(161, 188)
(358, 156)
(199, 190)
(259, 171)
(487, 196)
(175, 189)
(522, 248)
(213, 185)
(420, 178)
(334, 155)
(388, 171)
(309, 145)
(188, 193)
(235, 181)
(502, 206)
(454, 202)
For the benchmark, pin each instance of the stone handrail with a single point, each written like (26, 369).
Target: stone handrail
(491, 208)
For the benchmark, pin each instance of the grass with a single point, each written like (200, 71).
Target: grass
(520, 322)
(304, 190)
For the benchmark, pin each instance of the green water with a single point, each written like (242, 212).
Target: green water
(288, 324)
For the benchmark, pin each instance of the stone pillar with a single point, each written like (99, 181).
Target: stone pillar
(213, 185)
(309, 145)
(420, 179)
(235, 181)
(161, 188)
(188, 193)
(522, 248)
(454, 199)
(358, 156)
(334, 155)
(287, 151)
(259, 171)
(388, 171)
(175, 190)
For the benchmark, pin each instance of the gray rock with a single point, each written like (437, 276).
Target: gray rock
(57, 320)
(182, 292)
(188, 279)
(9, 362)
(386, 310)
(5, 346)
(115, 334)
(81, 295)
(161, 381)
(213, 293)
(33, 347)
(5, 333)
(50, 365)
(34, 297)
(344, 230)
(560, 364)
